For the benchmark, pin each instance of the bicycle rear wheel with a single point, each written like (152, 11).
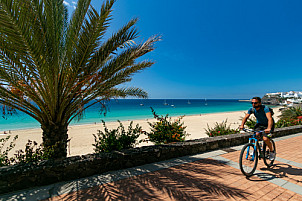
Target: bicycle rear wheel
(248, 159)
(266, 153)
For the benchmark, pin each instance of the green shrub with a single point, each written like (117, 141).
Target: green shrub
(290, 117)
(165, 131)
(116, 139)
(32, 153)
(282, 124)
(289, 122)
(220, 129)
(291, 113)
(251, 122)
(4, 160)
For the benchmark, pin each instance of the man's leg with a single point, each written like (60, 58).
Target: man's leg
(268, 143)
(266, 139)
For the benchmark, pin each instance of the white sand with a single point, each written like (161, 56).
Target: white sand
(81, 138)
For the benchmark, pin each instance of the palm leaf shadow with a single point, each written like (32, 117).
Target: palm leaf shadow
(192, 181)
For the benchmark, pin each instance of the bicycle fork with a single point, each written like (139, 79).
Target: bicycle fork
(248, 149)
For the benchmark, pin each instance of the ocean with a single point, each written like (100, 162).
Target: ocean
(132, 109)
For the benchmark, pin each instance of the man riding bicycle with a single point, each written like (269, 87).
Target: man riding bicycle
(265, 122)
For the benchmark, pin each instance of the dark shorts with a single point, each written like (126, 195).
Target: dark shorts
(261, 127)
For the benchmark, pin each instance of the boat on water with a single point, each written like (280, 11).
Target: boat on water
(189, 103)
(165, 103)
(141, 104)
(172, 105)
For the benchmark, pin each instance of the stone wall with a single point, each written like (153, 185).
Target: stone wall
(18, 177)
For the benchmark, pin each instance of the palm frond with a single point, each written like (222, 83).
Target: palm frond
(52, 69)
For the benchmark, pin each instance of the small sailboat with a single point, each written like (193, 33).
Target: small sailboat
(165, 103)
(141, 104)
(205, 100)
(189, 103)
(172, 105)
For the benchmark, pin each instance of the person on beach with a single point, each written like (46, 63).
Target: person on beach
(265, 122)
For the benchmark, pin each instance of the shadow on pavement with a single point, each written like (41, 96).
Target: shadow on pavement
(282, 170)
(200, 180)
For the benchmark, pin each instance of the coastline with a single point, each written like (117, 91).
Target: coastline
(134, 109)
(81, 136)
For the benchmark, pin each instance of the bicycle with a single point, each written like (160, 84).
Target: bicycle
(252, 151)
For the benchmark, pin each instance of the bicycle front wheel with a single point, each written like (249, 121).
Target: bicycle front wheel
(266, 154)
(248, 159)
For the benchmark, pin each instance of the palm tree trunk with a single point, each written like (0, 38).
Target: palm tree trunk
(55, 140)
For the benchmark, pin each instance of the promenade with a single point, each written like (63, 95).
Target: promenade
(208, 176)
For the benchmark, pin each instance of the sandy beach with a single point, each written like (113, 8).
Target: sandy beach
(81, 136)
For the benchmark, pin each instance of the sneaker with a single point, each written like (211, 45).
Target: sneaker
(272, 156)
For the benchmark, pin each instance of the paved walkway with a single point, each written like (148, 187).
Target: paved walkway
(209, 176)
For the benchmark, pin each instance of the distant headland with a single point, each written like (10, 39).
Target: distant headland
(290, 98)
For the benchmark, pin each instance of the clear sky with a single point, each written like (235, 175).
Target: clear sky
(216, 48)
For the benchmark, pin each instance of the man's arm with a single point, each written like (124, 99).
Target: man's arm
(244, 121)
(270, 122)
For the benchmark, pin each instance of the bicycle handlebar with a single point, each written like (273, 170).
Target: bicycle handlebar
(252, 130)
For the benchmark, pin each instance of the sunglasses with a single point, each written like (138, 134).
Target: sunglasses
(254, 103)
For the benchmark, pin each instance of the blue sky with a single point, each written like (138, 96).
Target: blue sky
(216, 48)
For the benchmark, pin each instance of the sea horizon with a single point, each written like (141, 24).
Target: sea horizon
(135, 109)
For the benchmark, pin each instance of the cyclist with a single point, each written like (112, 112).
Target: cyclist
(265, 122)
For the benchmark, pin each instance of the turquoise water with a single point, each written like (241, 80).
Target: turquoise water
(131, 109)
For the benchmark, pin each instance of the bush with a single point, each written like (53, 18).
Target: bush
(116, 139)
(165, 131)
(290, 114)
(290, 122)
(251, 122)
(32, 153)
(220, 129)
(4, 160)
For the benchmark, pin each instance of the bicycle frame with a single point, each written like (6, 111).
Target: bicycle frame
(248, 159)
(254, 140)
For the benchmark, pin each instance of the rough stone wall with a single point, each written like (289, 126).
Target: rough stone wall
(18, 177)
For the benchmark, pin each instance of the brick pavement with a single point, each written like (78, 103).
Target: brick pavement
(209, 176)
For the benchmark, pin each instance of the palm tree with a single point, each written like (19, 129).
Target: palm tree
(52, 68)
